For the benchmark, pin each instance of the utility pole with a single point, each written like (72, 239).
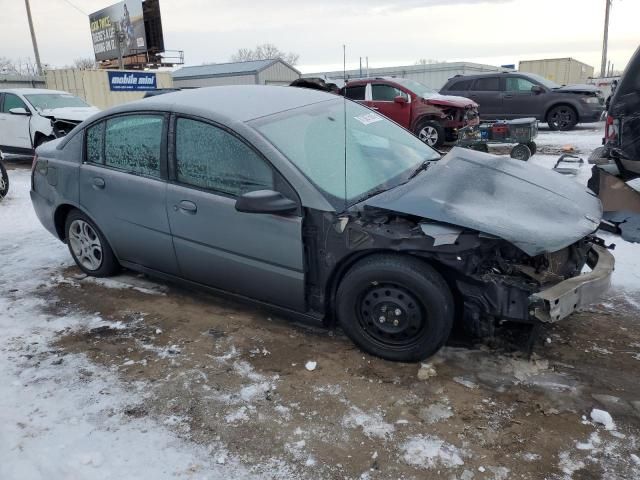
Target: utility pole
(33, 38)
(605, 40)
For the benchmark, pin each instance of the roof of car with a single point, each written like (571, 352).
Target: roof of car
(234, 102)
(27, 91)
(488, 74)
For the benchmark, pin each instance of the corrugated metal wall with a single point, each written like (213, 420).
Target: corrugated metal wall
(564, 71)
(21, 81)
(93, 86)
(432, 75)
(215, 81)
(277, 74)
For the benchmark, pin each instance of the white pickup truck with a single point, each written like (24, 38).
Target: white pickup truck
(31, 116)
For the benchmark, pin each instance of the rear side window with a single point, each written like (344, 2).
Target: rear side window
(490, 84)
(133, 143)
(212, 158)
(95, 143)
(355, 93)
(12, 101)
(386, 93)
(460, 85)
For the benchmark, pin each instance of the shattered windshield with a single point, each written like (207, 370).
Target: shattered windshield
(416, 87)
(46, 101)
(544, 81)
(379, 154)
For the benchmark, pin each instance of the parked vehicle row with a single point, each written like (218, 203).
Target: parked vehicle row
(321, 208)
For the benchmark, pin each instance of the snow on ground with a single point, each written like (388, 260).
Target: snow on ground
(62, 417)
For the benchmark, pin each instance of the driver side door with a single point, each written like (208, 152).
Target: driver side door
(251, 254)
(383, 99)
(520, 100)
(14, 129)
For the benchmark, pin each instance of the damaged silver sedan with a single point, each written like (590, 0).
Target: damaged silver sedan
(315, 205)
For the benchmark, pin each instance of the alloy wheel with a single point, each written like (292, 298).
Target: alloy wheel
(85, 244)
(429, 135)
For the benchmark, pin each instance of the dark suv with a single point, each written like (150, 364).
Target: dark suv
(516, 95)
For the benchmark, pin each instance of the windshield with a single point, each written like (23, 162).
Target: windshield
(540, 79)
(45, 101)
(379, 153)
(416, 87)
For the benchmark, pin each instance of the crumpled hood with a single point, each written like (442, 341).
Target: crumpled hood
(75, 114)
(581, 88)
(534, 208)
(449, 100)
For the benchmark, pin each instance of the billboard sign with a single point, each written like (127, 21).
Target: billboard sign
(120, 81)
(126, 17)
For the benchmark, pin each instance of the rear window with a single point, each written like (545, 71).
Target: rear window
(490, 84)
(355, 92)
(460, 85)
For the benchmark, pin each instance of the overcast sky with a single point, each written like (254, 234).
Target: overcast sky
(388, 32)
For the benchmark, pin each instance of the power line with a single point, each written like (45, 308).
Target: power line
(76, 7)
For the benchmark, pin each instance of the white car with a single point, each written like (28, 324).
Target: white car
(31, 116)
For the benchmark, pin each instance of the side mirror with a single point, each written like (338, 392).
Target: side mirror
(400, 99)
(537, 89)
(19, 111)
(265, 201)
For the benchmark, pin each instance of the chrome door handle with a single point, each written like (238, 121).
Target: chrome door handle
(98, 183)
(187, 207)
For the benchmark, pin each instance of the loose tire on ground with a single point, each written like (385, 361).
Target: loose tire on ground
(562, 117)
(521, 152)
(395, 307)
(88, 246)
(431, 133)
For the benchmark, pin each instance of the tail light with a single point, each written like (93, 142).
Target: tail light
(610, 130)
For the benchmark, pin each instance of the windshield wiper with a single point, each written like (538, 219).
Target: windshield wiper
(423, 167)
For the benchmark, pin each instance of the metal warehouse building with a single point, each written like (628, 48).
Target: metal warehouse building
(257, 72)
(433, 75)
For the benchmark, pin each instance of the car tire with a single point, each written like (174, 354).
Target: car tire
(533, 147)
(562, 117)
(88, 246)
(521, 152)
(431, 133)
(4, 181)
(395, 307)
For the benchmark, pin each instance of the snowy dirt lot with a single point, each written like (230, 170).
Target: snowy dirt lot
(133, 378)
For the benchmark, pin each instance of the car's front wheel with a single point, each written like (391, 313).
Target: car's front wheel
(4, 181)
(395, 307)
(431, 133)
(88, 247)
(562, 117)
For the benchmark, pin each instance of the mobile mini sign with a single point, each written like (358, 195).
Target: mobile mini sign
(131, 81)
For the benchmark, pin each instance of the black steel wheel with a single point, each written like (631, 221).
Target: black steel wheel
(395, 307)
(521, 152)
(4, 181)
(562, 117)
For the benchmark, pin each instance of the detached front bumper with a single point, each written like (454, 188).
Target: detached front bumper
(561, 300)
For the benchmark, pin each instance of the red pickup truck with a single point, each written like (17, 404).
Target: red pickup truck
(434, 118)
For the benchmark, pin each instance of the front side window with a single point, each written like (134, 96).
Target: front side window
(490, 84)
(377, 155)
(212, 158)
(517, 84)
(461, 85)
(133, 143)
(386, 93)
(356, 92)
(12, 101)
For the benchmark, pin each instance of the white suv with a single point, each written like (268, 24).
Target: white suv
(31, 116)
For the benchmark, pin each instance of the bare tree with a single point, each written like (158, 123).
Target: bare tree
(265, 51)
(427, 61)
(20, 66)
(86, 63)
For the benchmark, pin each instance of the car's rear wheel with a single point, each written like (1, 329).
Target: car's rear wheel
(4, 181)
(395, 307)
(88, 247)
(431, 133)
(562, 117)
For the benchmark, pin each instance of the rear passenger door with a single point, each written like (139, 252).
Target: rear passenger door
(123, 188)
(486, 92)
(256, 255)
